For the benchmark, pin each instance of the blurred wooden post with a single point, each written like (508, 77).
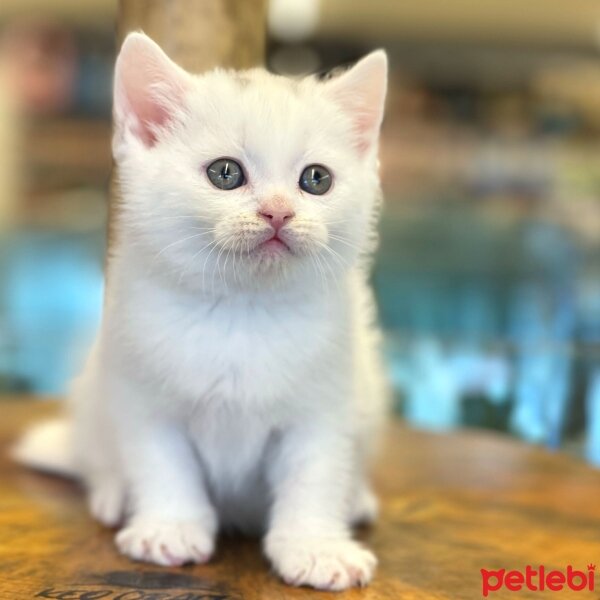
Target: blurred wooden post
(199, 35)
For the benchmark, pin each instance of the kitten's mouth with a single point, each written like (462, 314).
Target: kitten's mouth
(274, 244)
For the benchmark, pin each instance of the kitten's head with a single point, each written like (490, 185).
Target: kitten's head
(231, 180)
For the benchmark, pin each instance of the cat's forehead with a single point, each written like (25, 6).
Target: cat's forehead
(259, 94)
(264, 112)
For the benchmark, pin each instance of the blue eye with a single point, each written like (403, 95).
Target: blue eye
(316, 179)
(226, 174)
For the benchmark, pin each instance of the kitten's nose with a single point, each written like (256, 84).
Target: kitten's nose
(276, 216)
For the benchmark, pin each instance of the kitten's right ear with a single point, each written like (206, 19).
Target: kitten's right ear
(149, 88)
(360, 93)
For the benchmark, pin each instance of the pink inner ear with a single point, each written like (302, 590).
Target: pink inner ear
(360, 93)
(149, 113)
(365, 128)
(365, 110)
(148, 87)
(145, 129)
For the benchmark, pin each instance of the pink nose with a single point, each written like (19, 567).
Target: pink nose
(276, 217)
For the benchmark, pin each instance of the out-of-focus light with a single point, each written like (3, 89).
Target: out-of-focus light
(293, 20)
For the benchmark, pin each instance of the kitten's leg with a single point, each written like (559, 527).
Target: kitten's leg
(309, 541)
(95, 449)
(172, 521)
(364, 506)
(106, 497)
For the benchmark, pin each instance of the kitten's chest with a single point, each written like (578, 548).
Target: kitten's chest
(232, 351)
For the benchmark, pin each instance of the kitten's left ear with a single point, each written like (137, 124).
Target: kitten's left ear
(149, 88)
(360, 92)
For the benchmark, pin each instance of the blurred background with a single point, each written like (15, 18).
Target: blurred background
(488, 274)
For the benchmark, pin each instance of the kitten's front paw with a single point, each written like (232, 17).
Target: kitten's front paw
(322, 563)
(167, 543)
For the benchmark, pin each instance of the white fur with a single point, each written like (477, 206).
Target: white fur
(230, 386)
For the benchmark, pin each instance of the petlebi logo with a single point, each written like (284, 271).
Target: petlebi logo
(538, 580)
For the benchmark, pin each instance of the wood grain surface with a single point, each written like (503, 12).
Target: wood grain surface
(451, 505)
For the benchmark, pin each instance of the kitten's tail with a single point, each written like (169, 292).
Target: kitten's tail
(47, 447)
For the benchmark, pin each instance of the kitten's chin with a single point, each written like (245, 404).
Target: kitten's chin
(270, 258)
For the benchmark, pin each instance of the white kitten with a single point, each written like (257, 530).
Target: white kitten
(235, 381)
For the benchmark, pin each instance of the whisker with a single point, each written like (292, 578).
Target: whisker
(224, 244)
(345, 241)
(318, 268)
(177, 242)
(221, 250)
(331, 271)
(160, 217)
(235, 276)
(191, 260)
(204, 265)
(336, 255)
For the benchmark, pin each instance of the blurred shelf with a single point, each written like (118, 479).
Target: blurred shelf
(96, 13)
(506, 22)
(67, 151)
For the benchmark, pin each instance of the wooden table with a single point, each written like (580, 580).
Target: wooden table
(452, 504)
